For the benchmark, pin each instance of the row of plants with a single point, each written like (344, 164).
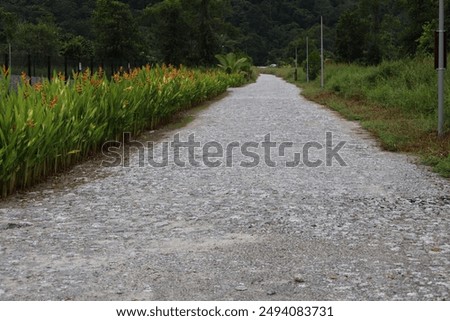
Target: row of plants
(396, 101)
(48, 127)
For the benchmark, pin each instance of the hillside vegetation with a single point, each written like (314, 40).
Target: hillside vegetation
(192, 32)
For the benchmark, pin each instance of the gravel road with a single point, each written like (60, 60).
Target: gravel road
(375, 229)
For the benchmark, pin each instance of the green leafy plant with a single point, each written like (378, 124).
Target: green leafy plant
(232, 63)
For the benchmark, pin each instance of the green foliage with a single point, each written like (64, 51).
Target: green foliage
(78, 47)
(420, 13)
(192, 32)
(426, 40)
(115, 30)
(351, 37)
(187, 32)
(8, 25)
(314, 65)
(232, 63)
(40, 38)
(167, 17)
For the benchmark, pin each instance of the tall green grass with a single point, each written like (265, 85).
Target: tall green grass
(48, 127)
(396, 101)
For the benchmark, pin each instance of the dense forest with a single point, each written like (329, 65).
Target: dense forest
(192, 32)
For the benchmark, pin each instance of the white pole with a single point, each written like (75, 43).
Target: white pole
(441, 69)
(307, 59)
(321, 54)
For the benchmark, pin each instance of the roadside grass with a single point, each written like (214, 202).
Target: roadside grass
(395, 101)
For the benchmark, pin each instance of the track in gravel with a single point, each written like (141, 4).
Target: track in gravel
(376, 229)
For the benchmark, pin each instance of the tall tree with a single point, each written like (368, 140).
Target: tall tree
(351, 37)
(208, 46)
(8, 25)
(40, 38)
(420, 12)
(115, 30)
(171, 30)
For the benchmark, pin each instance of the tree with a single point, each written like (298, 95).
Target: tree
(351, 37)
(314, 64)
(38, 39)
(420, 12)
(115, 30)
(8, 25)
(189, 32)
(426, 40)
(78, 47)
(208, 45)
(171, 30)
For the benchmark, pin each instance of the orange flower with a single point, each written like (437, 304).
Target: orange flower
(116, 77)
(53, 102)
(44, 98)
(5, 71)
(38, 87)
(86, 75)
(31, 123)
(24, 78)
(96, 82)
(79, 88)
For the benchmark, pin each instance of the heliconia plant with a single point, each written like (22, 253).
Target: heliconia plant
(232, 63)
(50, 126)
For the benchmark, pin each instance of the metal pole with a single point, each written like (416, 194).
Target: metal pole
(441, 69)
(321, 55)
(307, 59)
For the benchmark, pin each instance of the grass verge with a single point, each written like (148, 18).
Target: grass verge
(395, 101)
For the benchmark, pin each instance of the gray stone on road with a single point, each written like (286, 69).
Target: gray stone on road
(376, 229)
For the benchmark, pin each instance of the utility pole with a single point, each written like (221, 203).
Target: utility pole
(307, 59)
(296, 64)
(322, 82)
(441, 69)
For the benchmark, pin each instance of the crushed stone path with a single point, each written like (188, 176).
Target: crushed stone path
(376, 229)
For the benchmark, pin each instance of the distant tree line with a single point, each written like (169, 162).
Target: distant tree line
(192, 32)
